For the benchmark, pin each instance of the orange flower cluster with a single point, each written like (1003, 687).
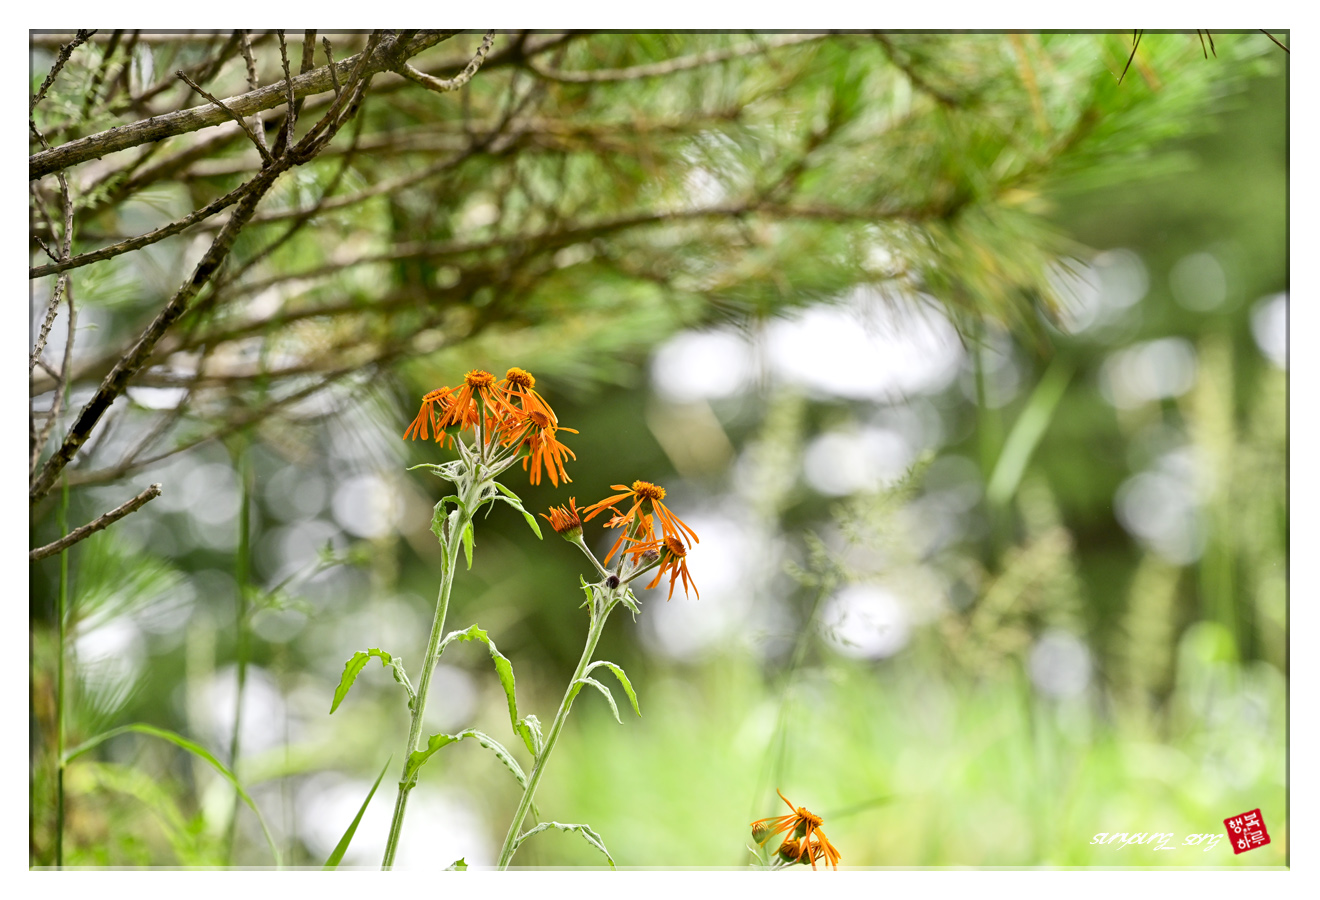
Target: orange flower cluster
(509, 412)
(805, 842)
(637, 529)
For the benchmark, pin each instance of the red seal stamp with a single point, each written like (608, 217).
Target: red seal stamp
(1247, 831)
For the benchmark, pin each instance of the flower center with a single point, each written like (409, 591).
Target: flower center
(809, 817)
(648, 491)
(539, 419)
(521, 377)
(478, 379)
(675, 546)
(437, 394)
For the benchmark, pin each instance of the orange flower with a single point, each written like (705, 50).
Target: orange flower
(646, 497)
(565, 520)
(478, 389)
(544, 449)
(673, 557)
(803, 826)
(522, 384)
(427, 415)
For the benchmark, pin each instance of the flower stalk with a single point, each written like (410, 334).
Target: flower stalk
(457, 522)
(604, 599)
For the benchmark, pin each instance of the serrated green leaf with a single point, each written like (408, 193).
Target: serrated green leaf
(606, 691)
(529, 728)
(623, 681)
(585, 830)
(516, 502)
(355, 665)
(438, 741)
(337, 854)
(458, 865)
(439, 516)
(194, 748)
(503, 668)
(467, 544)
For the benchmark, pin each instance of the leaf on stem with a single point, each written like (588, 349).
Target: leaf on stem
(467, 544)
(606, 691)
(516, 502)
(529, 728)
(458, 865)
(623, 680)
(586, 831)
(418, 758)
(503, 668)
(355, 665)
(338, 853)
(194, 748)
(439, 516)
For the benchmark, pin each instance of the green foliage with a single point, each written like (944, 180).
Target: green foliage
(184, 744)
(332, 862)
(623, 680)
(588, 834)
(437, 741)
(512, 499)
(503, 669)
(358, 661)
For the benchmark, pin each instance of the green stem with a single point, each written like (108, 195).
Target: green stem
(574, 685)
(60, 620)
(406, 784)
(240, 632)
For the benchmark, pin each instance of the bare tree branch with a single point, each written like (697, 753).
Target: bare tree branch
(260, 145)
(186, 120)
(330, 62)
(251, 65)
(60, 59)
(95, 525)
(669, 66)
(443, 85)
(144, 240)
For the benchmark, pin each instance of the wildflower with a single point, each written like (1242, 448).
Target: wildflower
(647, 497)
(544, 449)
(806, 838)
(565, 520)
(440, 397)
(479, 390)
(673, 557)
(522, 384)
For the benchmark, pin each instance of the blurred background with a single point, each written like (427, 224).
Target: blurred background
(966, 361)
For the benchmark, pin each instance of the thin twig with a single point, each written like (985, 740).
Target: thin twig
(443, 85)
(144, 240)
(260, 145)
(45, 247)
(60, 59)
(250, 63)
(330, 61)
(1276, 43)
(62, 380)
(95, 525)
(656, 70)
(188, 120)
(1136, 41)
(47, 321)
(285, 137)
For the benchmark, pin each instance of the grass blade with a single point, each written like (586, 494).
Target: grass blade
(194, 748)
(332, 862)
